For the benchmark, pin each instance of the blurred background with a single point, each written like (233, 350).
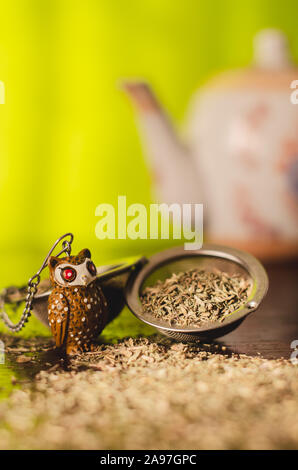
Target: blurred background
(68, 139)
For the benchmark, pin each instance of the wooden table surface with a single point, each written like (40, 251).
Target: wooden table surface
(271, 329)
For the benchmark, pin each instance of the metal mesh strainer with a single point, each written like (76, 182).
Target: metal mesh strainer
(164, 264)
(126, 281)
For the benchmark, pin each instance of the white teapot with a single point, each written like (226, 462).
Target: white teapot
(240, 155)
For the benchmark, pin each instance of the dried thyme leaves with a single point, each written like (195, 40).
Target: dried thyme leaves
(151, 393)
(194, 298)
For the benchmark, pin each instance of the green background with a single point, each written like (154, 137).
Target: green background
(68, 140)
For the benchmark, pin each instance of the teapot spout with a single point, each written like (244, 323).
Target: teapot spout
(142, 96)
(169, 160)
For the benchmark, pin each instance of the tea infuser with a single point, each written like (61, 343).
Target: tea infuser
(209, 258)
(80, 299)
(124, 282)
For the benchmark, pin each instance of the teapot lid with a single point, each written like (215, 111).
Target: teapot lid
(271, 50)
(272, 66)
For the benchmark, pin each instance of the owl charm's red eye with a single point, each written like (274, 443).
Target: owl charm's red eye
(69, 274)
(91, 268)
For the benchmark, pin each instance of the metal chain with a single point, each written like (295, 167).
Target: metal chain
(32, 287)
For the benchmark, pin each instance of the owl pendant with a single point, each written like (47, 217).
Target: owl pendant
(77, 308)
